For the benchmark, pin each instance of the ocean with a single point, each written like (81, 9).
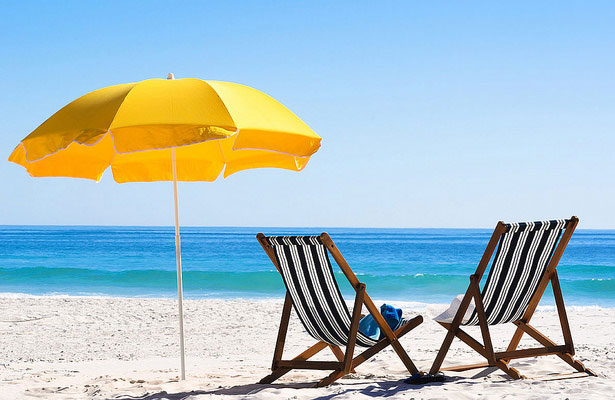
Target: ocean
(410, 265)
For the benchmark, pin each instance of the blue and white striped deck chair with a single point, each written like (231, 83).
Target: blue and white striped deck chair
(311, 289)
(525, 261)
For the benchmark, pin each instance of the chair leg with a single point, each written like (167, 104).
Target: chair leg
(367, 354)
(510, 371)
(335, 375)
(278, 372)
(279, 343)
(390, 335)
(339, 354)
(514, 342)
(352, 338)
(467, 367)
(480, 349)
(561, 311)
(354, 327)
(503, 364)
(523, 326)
(482, 318)
(473, 343)
(545, 341)
(360, 359)
(405, 358)
(383, 343)
(446, 344)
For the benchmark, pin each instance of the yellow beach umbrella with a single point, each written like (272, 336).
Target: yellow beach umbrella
(167, 130)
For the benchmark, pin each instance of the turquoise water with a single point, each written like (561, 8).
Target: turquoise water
(422, 265)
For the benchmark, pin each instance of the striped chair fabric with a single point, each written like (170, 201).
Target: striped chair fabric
(523, 253)
(307, 273)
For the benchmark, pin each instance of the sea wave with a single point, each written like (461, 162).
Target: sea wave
(429, 288)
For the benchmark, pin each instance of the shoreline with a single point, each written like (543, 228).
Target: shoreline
(414, 305)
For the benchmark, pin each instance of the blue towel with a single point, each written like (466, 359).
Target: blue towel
(369, 327)
(391, 315)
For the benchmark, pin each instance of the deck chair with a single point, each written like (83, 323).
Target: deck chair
(311, 289)
(525, 262)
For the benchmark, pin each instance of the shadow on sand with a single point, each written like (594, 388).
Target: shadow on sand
(376, 389)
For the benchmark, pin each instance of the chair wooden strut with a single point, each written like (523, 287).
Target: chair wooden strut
(312, 290)
(524, 264)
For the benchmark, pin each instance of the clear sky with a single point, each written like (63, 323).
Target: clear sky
(433, 114)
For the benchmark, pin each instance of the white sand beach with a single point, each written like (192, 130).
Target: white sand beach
(120, 348)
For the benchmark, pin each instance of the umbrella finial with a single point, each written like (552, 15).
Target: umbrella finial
(171, 76)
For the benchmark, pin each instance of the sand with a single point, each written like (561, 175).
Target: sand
(120, 348)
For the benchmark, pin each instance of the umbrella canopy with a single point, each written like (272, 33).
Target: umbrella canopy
(133, 127)
(163, 130)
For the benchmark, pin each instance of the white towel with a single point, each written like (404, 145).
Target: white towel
(449, 314)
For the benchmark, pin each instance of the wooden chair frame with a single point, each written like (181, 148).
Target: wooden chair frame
(502, 359)
(345, 362)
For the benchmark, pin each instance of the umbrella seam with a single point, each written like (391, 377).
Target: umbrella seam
(221, 102)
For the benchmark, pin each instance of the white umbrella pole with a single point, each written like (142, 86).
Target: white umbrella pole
(178, 256)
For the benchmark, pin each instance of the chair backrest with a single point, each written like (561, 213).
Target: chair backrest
(307, 273)
(523, 253)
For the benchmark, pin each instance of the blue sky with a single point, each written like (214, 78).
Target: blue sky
(433, 114)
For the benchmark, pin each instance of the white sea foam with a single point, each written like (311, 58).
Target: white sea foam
(416, 306)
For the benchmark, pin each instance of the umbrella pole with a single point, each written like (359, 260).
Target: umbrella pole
(178, 256)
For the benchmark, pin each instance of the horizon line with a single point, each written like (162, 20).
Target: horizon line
(263, 226)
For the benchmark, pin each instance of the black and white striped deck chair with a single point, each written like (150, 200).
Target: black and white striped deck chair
(525, 262)
(311, 289)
